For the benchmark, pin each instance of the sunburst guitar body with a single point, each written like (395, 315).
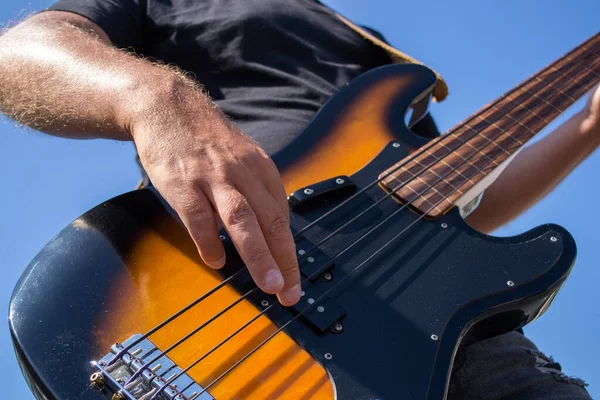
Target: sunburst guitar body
(387, 300)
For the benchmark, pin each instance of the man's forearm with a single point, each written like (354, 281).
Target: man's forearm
(62, 80)
(58, 78)
(535, 171)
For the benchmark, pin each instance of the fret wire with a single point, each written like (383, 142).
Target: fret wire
(585, 66)
(559, 91)
(498, 127)
(594, 53)
(586, 86)
(529, 110)
(440, 143)
(454, 170)
(452, 167)
(444, 162)
(418, 196)
(541, 120)
(503, 132)
(518, 121)
(455, 135)
(436, 158)
(575, 78)
(480, 133)
(512, 91)
(413, 175)
(505, 152)
(592, 70)
(545, 101)
(479, 151)
(530, 114)
(573, 83)
(537, 77)
(460, 155)
(478, 170)
(503, 157)
(432, 187)
(395, 177)
(513, 105)
(488, 139)
(576, 61)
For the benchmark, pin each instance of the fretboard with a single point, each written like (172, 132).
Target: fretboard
(434, 177)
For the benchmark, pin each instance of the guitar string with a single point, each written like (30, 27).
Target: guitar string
(459, 125)
(409, 159)
(230, 278)
(239, 272)
(327, 238)
(345, 250)
(310, 306)
(316, 273)
(254, 289)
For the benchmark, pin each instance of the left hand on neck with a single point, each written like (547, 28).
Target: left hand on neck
(591, 119)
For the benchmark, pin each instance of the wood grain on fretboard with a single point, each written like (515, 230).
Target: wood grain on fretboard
(433, 178)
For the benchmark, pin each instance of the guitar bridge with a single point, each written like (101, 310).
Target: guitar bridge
(111, 379)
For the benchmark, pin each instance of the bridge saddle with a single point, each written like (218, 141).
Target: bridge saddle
(111, 379)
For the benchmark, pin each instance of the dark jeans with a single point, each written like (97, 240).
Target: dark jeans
(511, 367)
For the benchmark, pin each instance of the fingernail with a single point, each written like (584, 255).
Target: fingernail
(273, 280)
(218, 263)
(292, 295)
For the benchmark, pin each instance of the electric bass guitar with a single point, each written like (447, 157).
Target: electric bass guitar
(120, 306)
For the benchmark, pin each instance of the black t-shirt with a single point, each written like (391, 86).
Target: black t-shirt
(269, 64)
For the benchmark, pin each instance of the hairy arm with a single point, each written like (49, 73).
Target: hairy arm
(539, 168)
(55, 76)
(60, 74)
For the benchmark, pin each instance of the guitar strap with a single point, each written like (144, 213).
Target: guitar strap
(440, 92)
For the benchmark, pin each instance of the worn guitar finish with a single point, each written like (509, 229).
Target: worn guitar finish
(126, 265)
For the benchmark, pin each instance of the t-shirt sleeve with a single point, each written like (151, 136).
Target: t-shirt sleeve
(122, 20)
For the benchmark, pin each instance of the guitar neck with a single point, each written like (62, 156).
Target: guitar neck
(456, 167)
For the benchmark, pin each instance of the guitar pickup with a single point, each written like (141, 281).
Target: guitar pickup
(313, 262)
(323, 314)
(326, 190)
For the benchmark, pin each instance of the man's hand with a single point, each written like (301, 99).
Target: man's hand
(204, 166)
(210, 171)
(591, 122)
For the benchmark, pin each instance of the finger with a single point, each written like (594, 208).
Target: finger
(275, 226)
(272, 181)
(198, 217)
(245, 232)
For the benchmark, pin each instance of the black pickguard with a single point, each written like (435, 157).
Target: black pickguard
(445, 281)
(432, 281)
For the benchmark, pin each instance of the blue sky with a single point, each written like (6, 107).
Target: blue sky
(483, 48)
